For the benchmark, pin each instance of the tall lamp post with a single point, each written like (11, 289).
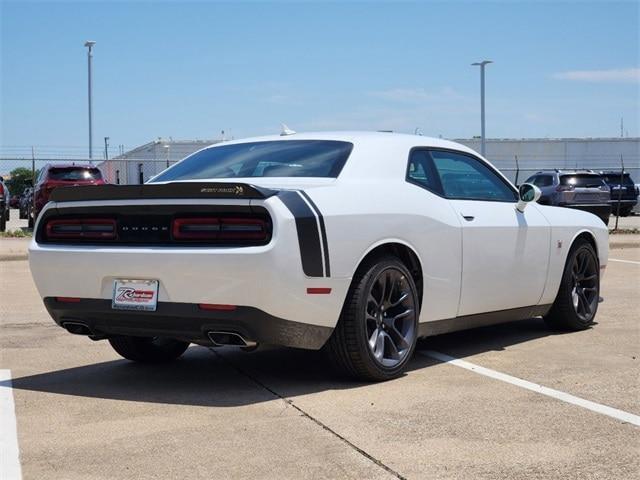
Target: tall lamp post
(482, 64)
(167, 148)
(89, 44)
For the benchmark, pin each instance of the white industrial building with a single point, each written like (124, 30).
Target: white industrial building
(141, 163)
(528, 154)
(533, 154)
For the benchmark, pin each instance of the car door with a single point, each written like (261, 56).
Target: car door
(505, 253)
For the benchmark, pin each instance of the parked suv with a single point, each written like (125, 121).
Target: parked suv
(26, 203)
(626, 192)
(5, 199)
(579, 189)
(62, 175)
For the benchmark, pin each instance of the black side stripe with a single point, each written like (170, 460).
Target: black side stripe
(323, 232)
(308, 235)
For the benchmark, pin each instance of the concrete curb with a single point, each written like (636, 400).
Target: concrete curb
(12, 258)
(622, 245)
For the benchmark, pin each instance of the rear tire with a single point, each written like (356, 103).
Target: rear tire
(576, 304)
(378, 327)
(3, 222)
(625, 212)
(148, 349)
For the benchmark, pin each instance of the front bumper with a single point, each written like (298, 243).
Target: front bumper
(186, 321)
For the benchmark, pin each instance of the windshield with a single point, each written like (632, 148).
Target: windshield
(582, 181)
(74, 174)
(289, 158)
(615, 179)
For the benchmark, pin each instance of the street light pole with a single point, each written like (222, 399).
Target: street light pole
(482, 64)
(89, 44)
(106, 148)
(167, 147)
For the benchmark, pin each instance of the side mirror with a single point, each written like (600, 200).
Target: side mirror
(527, 193)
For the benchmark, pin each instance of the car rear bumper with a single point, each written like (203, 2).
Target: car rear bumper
(187, 321)
(624, 203)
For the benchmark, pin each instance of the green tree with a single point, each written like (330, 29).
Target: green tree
(21, 178)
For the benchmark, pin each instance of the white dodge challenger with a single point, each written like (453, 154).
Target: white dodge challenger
(358, 243)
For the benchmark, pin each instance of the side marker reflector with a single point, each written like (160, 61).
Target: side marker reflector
(217, 307)
(67, 299)
(318, 291)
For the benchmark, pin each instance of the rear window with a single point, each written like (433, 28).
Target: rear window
(287, 158)
(74, 174)
(615, 178)
(582, 181)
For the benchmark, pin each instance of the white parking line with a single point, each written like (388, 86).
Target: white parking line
(534, 387)
(9, 453)
(624, 261)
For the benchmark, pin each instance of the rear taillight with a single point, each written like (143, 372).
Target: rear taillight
(83, 228)
(564, 188)
(219, 228)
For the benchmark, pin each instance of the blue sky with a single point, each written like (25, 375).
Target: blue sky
(189, 70)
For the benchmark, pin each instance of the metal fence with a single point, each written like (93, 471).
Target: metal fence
(132, 171)
(128, 171)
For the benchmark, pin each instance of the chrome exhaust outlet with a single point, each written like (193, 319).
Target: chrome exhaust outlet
(77, 328)
(220, 339)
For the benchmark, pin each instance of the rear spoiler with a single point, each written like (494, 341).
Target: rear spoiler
(160, 190)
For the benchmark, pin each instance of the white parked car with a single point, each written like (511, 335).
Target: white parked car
(358, 243)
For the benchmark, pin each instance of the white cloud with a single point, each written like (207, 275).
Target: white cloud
(621, 75)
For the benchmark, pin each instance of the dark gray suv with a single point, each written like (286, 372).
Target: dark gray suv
(579, 189)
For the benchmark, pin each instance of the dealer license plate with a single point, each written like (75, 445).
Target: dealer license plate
(135, 294)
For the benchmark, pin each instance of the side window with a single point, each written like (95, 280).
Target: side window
(421, 170)
(538, 180)
(544, 181)
(532, 179)
(466, 178)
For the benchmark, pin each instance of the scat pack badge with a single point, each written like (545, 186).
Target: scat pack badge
(234, 190)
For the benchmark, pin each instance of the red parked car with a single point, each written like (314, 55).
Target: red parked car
(52, 176)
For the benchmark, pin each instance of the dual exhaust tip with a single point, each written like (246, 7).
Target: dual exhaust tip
(77, 328)
(218, 338)
(221, 339)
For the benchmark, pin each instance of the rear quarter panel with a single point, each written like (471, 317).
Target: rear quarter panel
(363, 215)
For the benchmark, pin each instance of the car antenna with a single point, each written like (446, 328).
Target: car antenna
(286, 131)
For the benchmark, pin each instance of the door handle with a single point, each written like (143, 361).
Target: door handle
(468, 218)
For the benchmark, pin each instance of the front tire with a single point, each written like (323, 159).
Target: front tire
(576, 304)
(378, 327)
(148, 349)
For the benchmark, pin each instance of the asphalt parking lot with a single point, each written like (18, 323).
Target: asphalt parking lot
(83, 413)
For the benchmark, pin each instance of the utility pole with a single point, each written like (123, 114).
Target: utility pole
(482, 64)
(32, 201)
(106, 148)
(89, 44)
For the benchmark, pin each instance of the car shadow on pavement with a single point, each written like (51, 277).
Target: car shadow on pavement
(228, 377)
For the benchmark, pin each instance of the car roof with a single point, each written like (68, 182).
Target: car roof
(568, 172)
(375, 155)
(69, 165)
(358, 137)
